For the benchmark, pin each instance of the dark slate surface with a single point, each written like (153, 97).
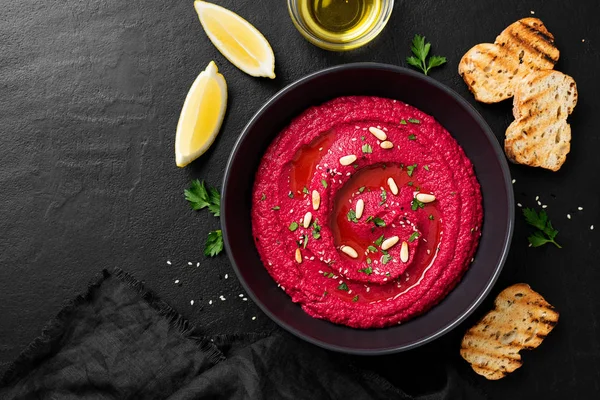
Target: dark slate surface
(90, 94)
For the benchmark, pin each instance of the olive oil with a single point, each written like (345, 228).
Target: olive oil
(340, 21)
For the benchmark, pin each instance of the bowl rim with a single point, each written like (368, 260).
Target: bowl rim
(507, 183)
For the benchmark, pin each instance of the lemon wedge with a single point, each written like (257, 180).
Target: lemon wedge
(239, 41)
(201, 116)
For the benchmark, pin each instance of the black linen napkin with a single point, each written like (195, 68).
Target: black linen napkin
(119, 341)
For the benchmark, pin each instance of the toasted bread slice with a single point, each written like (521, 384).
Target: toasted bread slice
(540, 135)
(520, 320)
(493, 71)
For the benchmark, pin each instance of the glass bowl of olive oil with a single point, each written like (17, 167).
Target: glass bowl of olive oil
(340, 25)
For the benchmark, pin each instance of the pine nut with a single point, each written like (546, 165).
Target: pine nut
(307, 219)
(404, 252)
(349, 251)
(298, 256)
(425, 198)
(347, 160)
(378, 133)
(316, 200)
(392, 184)
(360, 208)
(387, 145)
(389, 242)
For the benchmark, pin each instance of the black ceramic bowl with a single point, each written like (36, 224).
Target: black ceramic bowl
(457, 116)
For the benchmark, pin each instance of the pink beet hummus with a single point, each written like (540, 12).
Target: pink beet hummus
(395, 211)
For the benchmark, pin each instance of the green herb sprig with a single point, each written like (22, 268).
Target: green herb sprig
(420, 49)
(545, 233)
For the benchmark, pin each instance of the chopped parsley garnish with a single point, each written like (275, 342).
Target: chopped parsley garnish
(291, 195)
(411, 169)
(431, 217)
(325, 293)
(324, 183)
(367, 270)
(200, 196)
(420, 49)
(426, 167)
(355, 299)
(293, 226)
(413, 236)
(305, 242)
(352, 216)
(372, 249)
(386, 258)
(545, 233)
(387, 274)
(263, 197)
(361, 189)
(410, 183)
(305, 190)
(343, 286)
(402, 122)
(316, 229)
(383, 196)
(214, 243)
(416, 204)
(379, 240)
(366, 148)
(368, 261)
(275, 208)
(412, 137)
(453, 193)
(370, 218)
(383, 166)
(362, 138)
(328, 274)
(379, 222)
(355, 166)
(414, 121)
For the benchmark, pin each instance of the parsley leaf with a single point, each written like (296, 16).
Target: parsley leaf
(355, 299)
(413, 237)
(316, 229)
(420, 49)
(402, 122)
(343, 286)
(383, 196)
(545, 232)
(361, 189)
(386, 258)
(305, 190)
(275, 208)
(263, 197)
(379, 240)
(369, 219)
(414, 121)
(416, 204)
(366, 148)
(201, 197)
(431, 217)
(305, 241)
(412, 137)
(426, 168)
(372, 249)
(367, 270)
(293, 226)
(324, 183)
(379, 222)
(410, 169)
(352, 216)
(214, 243)
(291, 195)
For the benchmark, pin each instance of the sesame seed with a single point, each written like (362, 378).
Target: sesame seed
(191, 302)
(582, 40)
(241, 295)
(169, 262)
(197, 264)
(539, 203)
(176, 281)
(245, 299)
(189, 263)
(226, 276)
(222, 298)
(580, 208)
(253, 318)
(513, 181)
(532, 12)
(569, 216)
(544, 206)
(210, 302)
(537, 198)
(591, 227)
(519, 205)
